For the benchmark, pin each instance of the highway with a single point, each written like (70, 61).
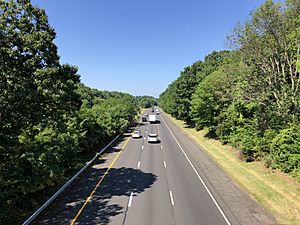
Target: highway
(171, 182)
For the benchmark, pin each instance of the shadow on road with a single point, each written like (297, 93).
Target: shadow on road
(99, 210)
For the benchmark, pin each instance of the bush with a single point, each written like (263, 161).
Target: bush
(285, 150)
(238, 114)
(247, 140)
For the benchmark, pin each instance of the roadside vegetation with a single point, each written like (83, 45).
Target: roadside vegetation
(249, 97)
(146, 101)
(50, 123)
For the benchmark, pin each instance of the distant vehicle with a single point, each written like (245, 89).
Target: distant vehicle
(152, 138)
(136, 134)
(144, 119)
(152, 118)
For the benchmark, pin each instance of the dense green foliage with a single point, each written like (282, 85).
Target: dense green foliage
(249, 97)
(49, 121)
(177, 98)
(146, 101)
(102, 115)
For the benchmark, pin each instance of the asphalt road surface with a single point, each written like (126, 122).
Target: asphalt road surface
(172, 182)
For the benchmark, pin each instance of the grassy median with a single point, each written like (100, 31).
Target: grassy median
(279, 193)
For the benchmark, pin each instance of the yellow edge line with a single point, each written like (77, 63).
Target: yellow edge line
(99, 182)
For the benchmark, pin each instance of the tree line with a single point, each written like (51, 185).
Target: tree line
(249, 97)
(50, 123)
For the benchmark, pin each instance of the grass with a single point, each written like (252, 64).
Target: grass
(277, 192)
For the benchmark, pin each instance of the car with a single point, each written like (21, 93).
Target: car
(153, 138)
(136, 134)
(144, 119)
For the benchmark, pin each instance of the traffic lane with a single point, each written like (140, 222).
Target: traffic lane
(192, 202)
(109, 203)
(153, 206)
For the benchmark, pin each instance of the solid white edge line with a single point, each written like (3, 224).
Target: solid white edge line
(130, 199)
(138, 165)
(165, 165)
(171, 197)
(200, 178)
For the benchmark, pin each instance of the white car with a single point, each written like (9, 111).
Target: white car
(153, 138)
(136, 134)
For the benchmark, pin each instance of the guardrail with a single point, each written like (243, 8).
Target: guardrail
(50, 200)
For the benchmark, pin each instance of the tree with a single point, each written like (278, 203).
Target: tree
(213, 95)
(166, 99)
(269, 44)
(215, 91)
(37, 96)
(186, 84)
(146, 101)
(34, 86)
(177, 97)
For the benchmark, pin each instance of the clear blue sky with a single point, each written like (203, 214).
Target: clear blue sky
(140, 46)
